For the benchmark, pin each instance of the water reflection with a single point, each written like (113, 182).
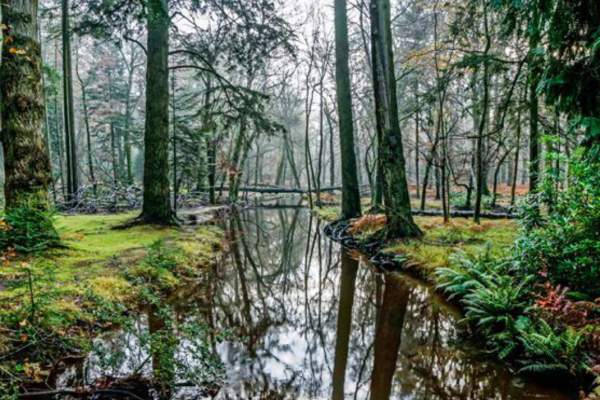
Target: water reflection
(344, 323)
(390, 322)
(288, 315)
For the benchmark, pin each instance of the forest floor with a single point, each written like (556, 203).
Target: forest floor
(441, 241)
(55, 303)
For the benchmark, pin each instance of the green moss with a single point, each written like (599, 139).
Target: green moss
(100, 274)
(327, 213)
(442, 240)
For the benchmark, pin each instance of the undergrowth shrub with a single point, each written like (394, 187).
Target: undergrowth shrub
(499, 304)
(27, 229)
(565, 245)
(548, 350)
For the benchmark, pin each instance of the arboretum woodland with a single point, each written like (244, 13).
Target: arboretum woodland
(311, 199)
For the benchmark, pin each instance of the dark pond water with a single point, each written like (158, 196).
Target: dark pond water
(289, 315)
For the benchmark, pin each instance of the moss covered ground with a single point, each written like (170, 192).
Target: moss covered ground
(441, 241)
(59, 300)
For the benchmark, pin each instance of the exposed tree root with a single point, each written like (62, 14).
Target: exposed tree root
(172, 221)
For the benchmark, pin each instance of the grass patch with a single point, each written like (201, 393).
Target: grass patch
(441, 241)
(59, 300)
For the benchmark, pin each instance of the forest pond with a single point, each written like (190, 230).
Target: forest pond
(287, 314)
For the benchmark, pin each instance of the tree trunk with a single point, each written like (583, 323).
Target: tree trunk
(174, 127)
(88, 135)
(128, 112)
(202, 167)
(480, 178)
(58, 130)
(331, 149)
(425, 183)
(350, 195)
(391, 153)
(534, 79)
(26, 162)
(496, 172)
(235, 164)
(515, 172)
(69, 112)
(308, 103)
(157, 205)
(417, 123)
(211, 161)
(378, 195)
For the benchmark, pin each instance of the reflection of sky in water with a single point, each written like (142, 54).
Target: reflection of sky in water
(278, 293)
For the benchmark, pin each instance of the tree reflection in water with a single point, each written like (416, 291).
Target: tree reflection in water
(303, 320)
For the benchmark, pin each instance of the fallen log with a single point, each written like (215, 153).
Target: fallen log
(465, 214)
(276, 189)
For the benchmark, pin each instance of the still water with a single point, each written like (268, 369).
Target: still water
(287, 314)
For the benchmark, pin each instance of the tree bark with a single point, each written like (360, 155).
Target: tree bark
(479, 167)
(400, 222)
(174, 127)
(69, 112)
(417, 144)
(534, 79)
(350, 196)
(515, 172)
(157, 205)
(26, 162)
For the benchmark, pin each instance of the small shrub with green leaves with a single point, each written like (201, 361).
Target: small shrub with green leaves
(565, 246)
(27, 229)
(492, 297)
(499, 303)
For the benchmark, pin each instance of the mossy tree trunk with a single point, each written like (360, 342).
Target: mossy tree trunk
(391, 153)
(350, 191)
(378, 195)
(26, 161)
(157, 203)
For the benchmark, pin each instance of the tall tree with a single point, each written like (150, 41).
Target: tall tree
(534, 80)
(88, 134)
(480, 183)
(391, 153)
(69, 112)
(26, 161)
(157, 203)
(350, 192)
